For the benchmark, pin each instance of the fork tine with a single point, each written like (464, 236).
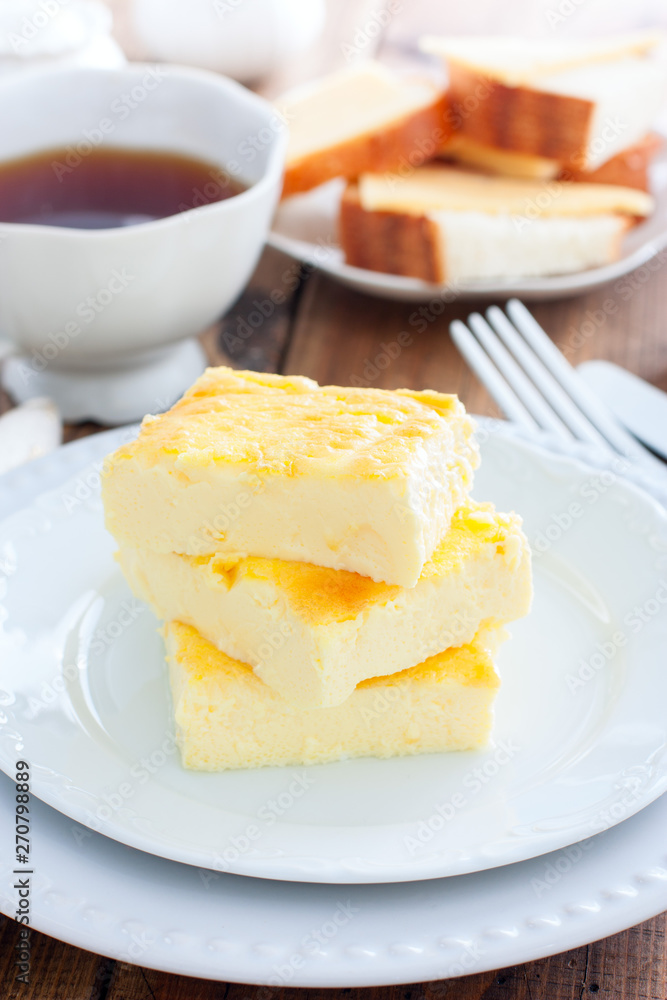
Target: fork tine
(489, 376)
(550, 388)
(592, 407)
(523, 387)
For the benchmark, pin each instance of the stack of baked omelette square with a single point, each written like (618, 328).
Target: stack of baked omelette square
(329, 588)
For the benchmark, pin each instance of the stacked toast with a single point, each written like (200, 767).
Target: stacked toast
(532, 159)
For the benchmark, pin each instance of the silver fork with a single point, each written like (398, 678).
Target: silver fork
(536, 387)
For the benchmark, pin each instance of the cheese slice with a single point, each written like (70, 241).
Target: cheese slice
(362, 118)
(365, 480)
(312, 634)
(227, 718)
(343, 105)
(467, 247)
(628, 168)
(436, 188)
(520, 60)
(465, 150)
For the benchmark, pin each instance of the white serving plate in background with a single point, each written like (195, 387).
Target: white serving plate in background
(305, 227)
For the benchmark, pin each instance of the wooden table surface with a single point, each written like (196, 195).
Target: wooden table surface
(333, 334)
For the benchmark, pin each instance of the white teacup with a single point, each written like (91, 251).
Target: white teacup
(95, 314)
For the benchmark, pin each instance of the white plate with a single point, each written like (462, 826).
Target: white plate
(98, 894)
(305, 227)
(580, 733)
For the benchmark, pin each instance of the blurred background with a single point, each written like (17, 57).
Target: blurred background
(180, 30)
(273, 45)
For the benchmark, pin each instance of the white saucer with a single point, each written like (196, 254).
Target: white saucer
(100, 895)
(580, 735)
(305, 227)
(117, 395)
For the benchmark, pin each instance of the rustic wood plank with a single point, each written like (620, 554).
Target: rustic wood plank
(623, 323)
(627, 966)
(630, 966)
(56, 969)
(134, 983)
(255, 331)
(346, 337)
(132, 986)
(340, 334)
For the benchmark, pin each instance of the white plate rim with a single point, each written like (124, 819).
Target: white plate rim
(73, 906)
(397, 286)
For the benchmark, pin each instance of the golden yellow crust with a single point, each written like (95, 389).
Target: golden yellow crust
(469, 665)
(227, 718)
(312, 633)
(474, 526)
(286, 425)
(322, 596)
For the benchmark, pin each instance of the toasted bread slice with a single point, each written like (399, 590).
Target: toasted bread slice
(575, 102)
(447, 225)
(629, 168)
(518, 61)
(365, 119)
(393, 242)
